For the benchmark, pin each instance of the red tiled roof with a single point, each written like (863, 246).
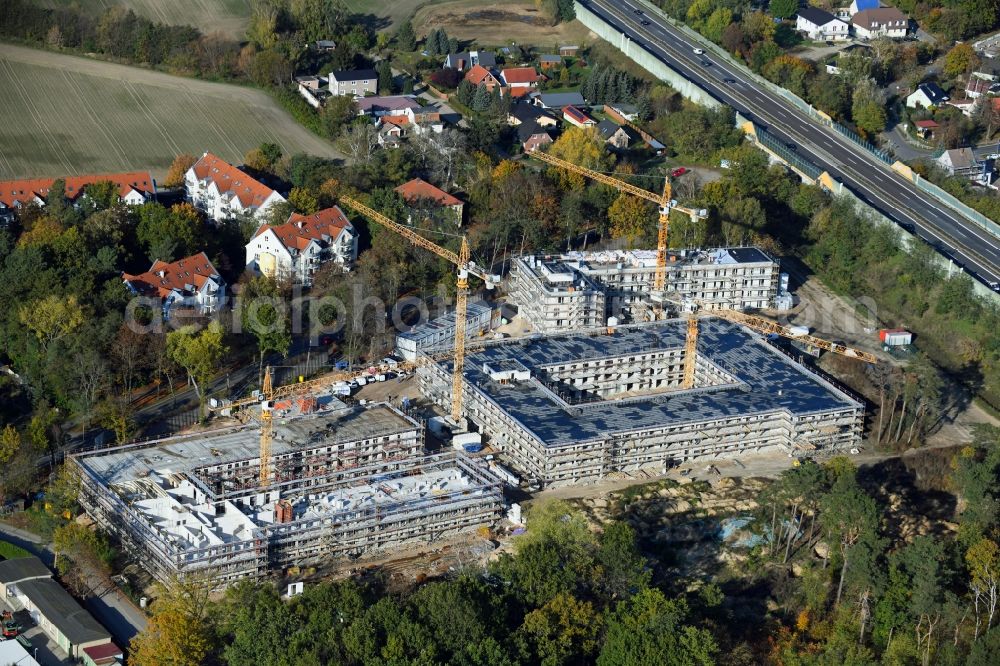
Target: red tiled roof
(519, 92)
(194, 270)
(977, 85)
(519, 75)
(250, 192)
(576, 114)
(26, 189)
(395, 120)
(418, 189)
(103, 654)
(926, 124)
(477, 74)
(300, 230)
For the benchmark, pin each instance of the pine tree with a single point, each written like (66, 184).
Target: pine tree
(431, 43)
(406, 40)
(644, 108)
(384, 77)
(442, 42)
(466, 91)
(481, 100)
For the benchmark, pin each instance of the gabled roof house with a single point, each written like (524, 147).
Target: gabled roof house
(296, 249)
(222, 191)
(191, 282)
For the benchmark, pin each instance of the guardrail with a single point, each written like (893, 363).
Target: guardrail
(785, 153)
(975, 216)
(867, 145)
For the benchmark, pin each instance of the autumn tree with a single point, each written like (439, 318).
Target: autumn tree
(983, 560)
(178, 168)
(83, 556)
(199, 353)
(563, 631)
(961, 59)
(52, 318)
(582, 147)
(179, 631)
(632, 219)
(303, 201)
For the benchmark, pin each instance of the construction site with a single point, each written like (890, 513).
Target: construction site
(583, 405)
(580, 290)
(346, 481)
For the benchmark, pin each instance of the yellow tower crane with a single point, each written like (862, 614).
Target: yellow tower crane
(465, 268)
(266, 428)
(663, 201)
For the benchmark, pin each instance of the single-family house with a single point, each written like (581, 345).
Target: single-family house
(223, 192)
(325, 45)
(191, 283)
(134, 188)
(424, 198)
(559, 101)
(926, 128)
(357, 82)
(532, 136)
(880, 22)
(569, 50)
(478, 74)
(29, 583)
(426, 119)
(549, 61)
(523, 112)
(977, 87)
(617, 136)
(575, 116)
(960, 162)
(927, 95)
(622, 112)
(523, 78)
(966, 106)
(390, 134)
(862, 5)
(390, 105)
(821, 26)
(296, 249)
(466, 59)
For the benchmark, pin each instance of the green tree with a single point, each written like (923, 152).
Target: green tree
(869, 116)
(563, 631)
(385, 83)
(199, 353)
(262, 313)
(319, 19)
(52, 318)
(465, 92)
(650, 629)
(717, 22)
(622, 570)
(960, 60)
(849, 516)
(406, 40)
(783, 8)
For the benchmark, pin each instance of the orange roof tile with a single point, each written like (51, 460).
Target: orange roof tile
(27, 189)
(418, 189)
(300, 230)
(519, 75)
(163, 278)
(395, 120)
(477, 74)
(251, 192)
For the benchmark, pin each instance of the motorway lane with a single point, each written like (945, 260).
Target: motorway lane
(870, 179)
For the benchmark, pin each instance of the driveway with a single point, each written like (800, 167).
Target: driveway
(903, 146)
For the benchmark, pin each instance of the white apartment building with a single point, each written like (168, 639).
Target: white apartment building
(296, 249)
(223, 192)
(191, 283)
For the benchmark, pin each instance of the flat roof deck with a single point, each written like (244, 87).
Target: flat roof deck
(775, 382)
(186, 453)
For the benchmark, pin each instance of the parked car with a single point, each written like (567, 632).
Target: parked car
(679, 171)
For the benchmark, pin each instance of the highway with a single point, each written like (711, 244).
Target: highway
(951, 234)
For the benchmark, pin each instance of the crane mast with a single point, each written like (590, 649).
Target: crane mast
(266, 429)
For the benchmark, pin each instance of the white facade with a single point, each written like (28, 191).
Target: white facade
(820, 26)
(297, 249)
(224, 192)
(881, 22)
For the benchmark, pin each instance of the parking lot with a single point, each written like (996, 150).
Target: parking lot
(43, 650)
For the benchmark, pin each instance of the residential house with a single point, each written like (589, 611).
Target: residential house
(575, 116)
(134, 188)
(569, 50)
(927, 95)
(519, 81)
(325, 45)
(862, 5)
(821, 26)
(617, 136)
(960, 162)
(467, 59)
(559, 101)
(223, 192)
(977, 87)
(426, 119)
(480, 75)
(357, 82)
(523, 112)
(190, 283)
(549, 61)
(880, 22)
(390, 134)
(622, 112)
(296, 249)
(422, 197)
(532, 137)
(392, 105)
(313, 89)
(966, 106)
(926, 128)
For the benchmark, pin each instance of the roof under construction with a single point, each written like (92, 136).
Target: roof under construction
(755, 378)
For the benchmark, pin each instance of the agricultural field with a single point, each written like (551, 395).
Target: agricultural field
(521, 22)
(386, 15)
(227, 16)
(66, 115)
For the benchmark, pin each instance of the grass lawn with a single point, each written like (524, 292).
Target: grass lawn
(67, 115)
(496, 25)
(386, 14)
(228, 16)
(35, 520)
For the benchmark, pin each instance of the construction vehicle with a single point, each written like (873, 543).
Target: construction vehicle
(663, 201)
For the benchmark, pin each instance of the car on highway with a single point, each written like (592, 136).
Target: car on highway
(638, 11)
(679, 171)
(995, 286)
(644, 22)
(729, 82)
(699, 51)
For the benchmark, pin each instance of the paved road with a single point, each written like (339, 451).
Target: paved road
(871, 180)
